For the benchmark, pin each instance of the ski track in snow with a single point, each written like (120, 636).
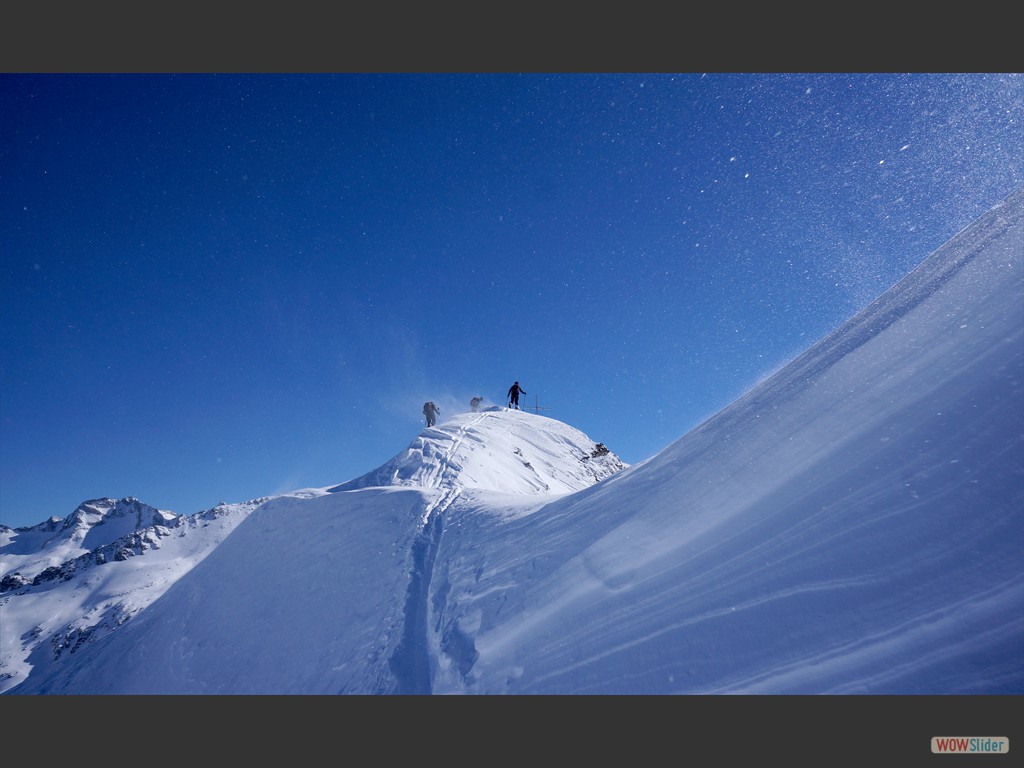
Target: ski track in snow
(420, 651)
(411, 662)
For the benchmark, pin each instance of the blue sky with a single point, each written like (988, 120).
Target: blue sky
(219, 287)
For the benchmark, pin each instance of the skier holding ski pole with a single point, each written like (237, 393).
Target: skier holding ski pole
(513, 395)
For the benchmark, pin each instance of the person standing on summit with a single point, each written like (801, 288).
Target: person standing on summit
(513, 395)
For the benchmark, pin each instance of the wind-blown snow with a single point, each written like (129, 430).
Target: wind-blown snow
(474, 451)
(853, 524)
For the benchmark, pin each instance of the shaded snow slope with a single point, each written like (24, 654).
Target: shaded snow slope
(852, 525)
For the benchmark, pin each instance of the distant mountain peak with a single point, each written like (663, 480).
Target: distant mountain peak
(126, 515)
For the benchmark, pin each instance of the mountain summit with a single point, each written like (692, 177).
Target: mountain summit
(499, 450)
(851, 525)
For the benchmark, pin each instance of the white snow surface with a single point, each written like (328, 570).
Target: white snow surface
(853, 524)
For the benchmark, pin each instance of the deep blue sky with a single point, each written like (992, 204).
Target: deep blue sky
(218, 287)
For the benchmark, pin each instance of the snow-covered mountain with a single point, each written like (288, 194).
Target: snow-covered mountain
(853, 524)
(66, 582)
(55, 597)
(94, 526)
(489, 452)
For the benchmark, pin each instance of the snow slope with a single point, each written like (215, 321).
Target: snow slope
(852, 525)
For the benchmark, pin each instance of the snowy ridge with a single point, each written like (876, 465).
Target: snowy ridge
(500, 450)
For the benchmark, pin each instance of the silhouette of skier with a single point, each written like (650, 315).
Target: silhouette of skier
(513, 395)
(474, 404)
(430, 411)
